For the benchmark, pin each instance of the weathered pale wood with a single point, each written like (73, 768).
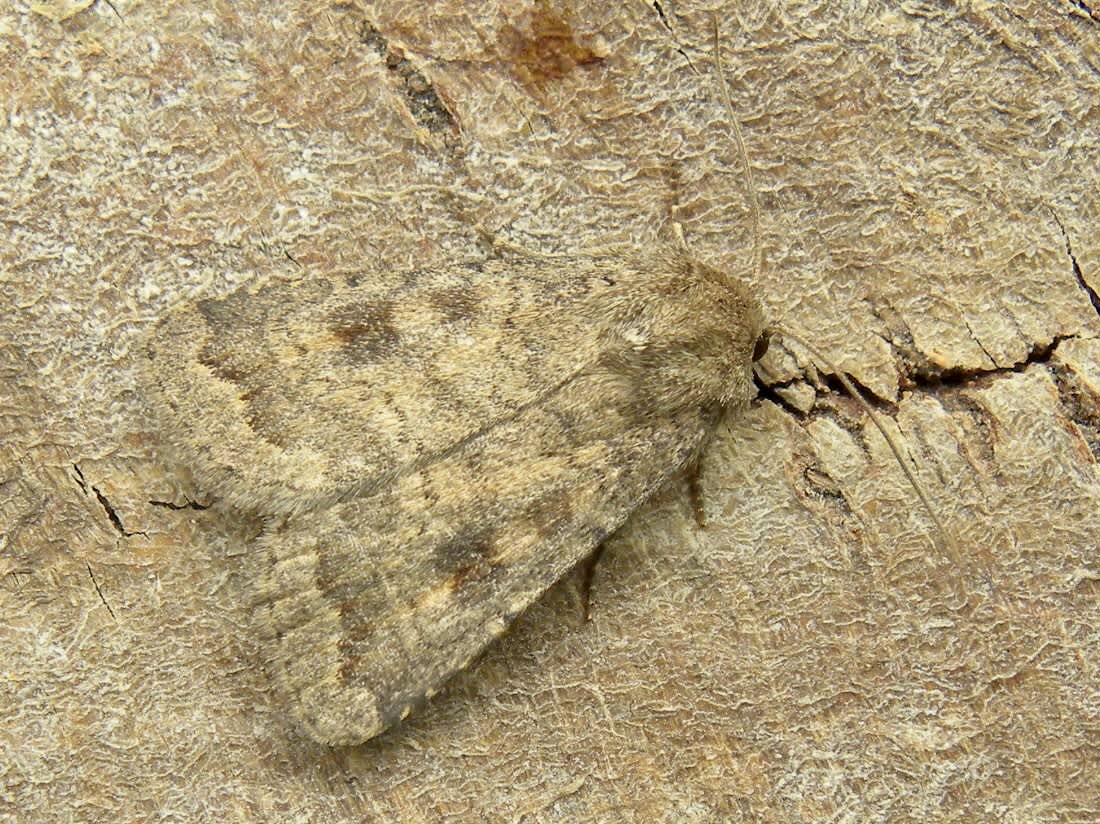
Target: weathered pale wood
(928, 176)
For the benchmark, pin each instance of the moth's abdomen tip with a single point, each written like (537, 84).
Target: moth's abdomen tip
(342, 717)
(338, 716)
(339, 722)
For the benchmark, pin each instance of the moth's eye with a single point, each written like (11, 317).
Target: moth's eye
(761, 346)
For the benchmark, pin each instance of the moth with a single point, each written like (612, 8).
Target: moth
(429, 456)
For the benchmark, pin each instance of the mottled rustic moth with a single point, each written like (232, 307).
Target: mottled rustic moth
(431, 457)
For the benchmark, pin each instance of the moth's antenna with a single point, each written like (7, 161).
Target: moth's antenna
(739, 139)
(948, 542)
(758, 261)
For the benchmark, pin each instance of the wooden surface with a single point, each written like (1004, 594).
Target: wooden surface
(928, 175)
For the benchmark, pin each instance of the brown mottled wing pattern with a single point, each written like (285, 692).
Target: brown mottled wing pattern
(370, 606)
(433, 455)
(325, 387)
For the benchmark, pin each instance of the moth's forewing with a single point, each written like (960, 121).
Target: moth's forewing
(367, 608)
(302, 393)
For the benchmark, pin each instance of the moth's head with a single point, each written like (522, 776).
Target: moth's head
(692, 337)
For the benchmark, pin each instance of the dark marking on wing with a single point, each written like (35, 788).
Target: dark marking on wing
(552, 513)
(468, 556)
(455, 304)
(222, 311)
(215, 361)
(365, 330)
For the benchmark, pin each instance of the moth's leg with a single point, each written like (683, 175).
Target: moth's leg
(579, 581)
(694, 474)
(693, 471)
(586, 573)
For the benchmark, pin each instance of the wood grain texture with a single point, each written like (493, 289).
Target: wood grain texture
(928, 176)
